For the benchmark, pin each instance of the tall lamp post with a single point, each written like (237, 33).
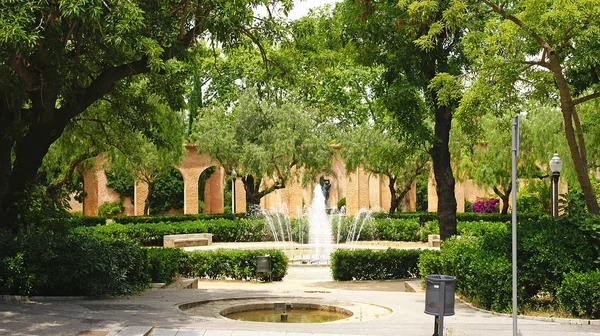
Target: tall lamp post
(234, 177)
(555, 167)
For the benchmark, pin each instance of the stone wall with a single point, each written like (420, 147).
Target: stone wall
(360, 188)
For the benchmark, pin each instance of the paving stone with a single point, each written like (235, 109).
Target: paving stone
(164, 332)
(218, 333)
(190, 332)
(244, 333)
(134, 331)
(271, 333)
(92, 333)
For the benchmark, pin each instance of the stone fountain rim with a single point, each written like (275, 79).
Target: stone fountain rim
(358, 309)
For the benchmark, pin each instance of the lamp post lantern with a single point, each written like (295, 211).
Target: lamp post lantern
(234, 177)
(555, 167)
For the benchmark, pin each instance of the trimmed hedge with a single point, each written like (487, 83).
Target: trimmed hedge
(374, 265)
(72, 222)
(164, 264)
(424, 217)
(547, 250)
(43, 262)
(172, 218)
(579, 294)
(223, 230)
(232, 264)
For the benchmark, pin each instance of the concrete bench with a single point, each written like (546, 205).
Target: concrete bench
(184, 240)
(433, 240)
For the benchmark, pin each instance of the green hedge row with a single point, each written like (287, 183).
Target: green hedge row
(172, 218)
(547, 251)
(72, 222)
(43, 262)
(374, 265)
(254, 230)
(167, 263)
(423, 217)
(223, 230)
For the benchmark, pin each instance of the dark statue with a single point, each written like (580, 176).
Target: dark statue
(325, 186)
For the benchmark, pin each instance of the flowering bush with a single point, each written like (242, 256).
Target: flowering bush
(486, 205)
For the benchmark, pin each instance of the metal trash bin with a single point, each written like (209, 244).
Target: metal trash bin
(264, 265)
(435, 284)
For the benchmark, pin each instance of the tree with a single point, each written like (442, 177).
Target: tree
(268, 144)
(421, 60)
(382, 154)
(59, 58)
(542, 50)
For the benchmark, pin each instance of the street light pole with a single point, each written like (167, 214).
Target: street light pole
(234, 177)
(555, 167)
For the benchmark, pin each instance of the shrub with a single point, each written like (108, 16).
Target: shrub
(486, 205)
(398, 229)
(371, 228)
(430, 263)
(245, 230)
(374, 265)
(482, 273)
(468, 206)
(232, 264)
(73, 221)
(534, 198)
(547, 250)
(579, 294)
(341, 203)
(171, 218)
(480, 228)
(164, 264)
(42, 262)
(109, 209)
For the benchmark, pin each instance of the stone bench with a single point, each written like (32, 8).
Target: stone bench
(433, 240)
(185, 240)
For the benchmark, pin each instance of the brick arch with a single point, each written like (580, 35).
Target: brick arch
(191, 167)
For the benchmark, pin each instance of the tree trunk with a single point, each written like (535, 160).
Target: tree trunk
(251, 186)
(147, 201)
(440, 155)
(504, 197)
(578, 150)
(395, 201)
(28, 156)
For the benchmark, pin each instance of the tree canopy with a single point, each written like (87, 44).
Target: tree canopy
(545, 51)
(59, 58)
(268, 143)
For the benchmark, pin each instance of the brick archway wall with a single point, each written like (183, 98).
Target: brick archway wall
(191, 167)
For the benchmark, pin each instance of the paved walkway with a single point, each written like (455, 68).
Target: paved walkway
(156, 312)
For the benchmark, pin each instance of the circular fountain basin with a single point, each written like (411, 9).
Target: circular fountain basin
(287, 313)
(297, 309)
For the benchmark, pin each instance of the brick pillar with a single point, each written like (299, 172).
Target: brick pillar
(432, 199)
(90, 187)
(459, 192)
(385, 195)
(357, 192)
(240, 196)
(190, 190)
(213, 192)
(140, 193)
